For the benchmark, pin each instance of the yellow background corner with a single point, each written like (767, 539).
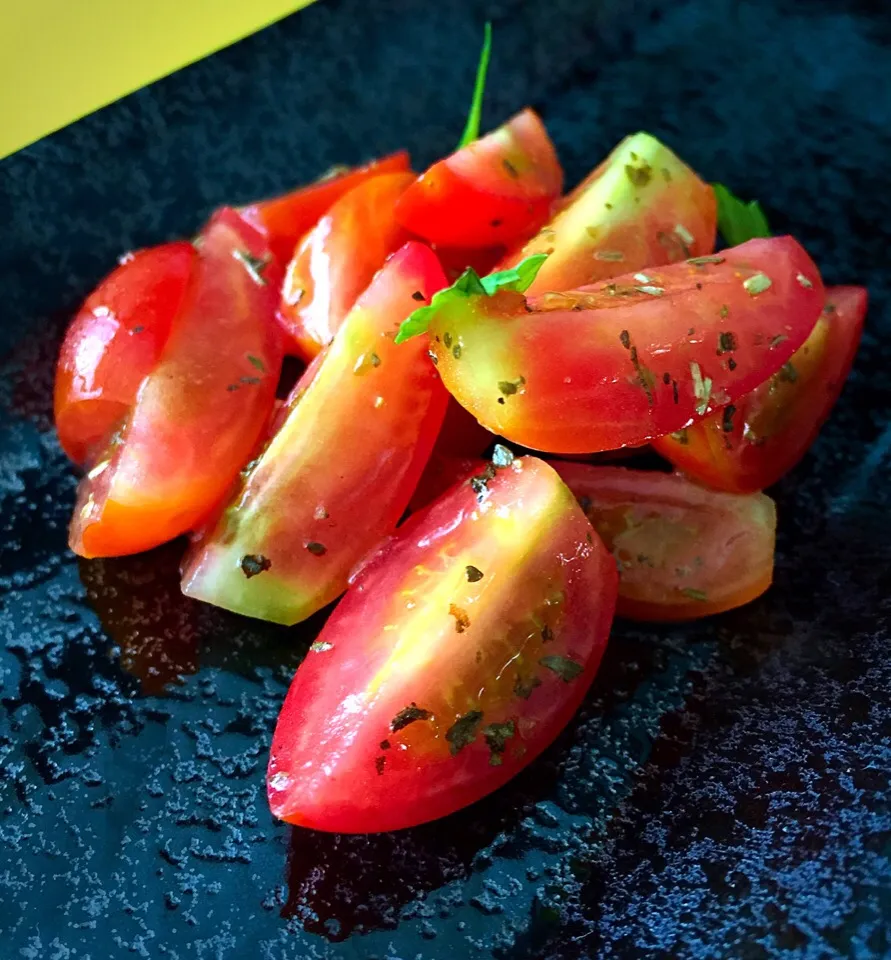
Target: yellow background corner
(62, 59)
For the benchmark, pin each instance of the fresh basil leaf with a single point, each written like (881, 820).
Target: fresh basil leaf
(739, 221)
(472, 129)
(470, 284)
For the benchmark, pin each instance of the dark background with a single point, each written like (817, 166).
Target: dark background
(725, 789)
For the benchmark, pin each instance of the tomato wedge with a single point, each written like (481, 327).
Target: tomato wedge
(287, 218)
(752, 443)
(642, 207)
(337, 475)
(337, 259)
(619, 363)
(496, 191)
(461, 650)
(113, 342)
(201, 410)
(683, 552)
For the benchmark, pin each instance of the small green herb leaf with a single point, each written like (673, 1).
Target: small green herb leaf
(407, 715)
(702, 388)
(739, 221)
(472, 129)
(502, 456)
(496, 736)
(695, 594)
(254, 265)
(470, 284)
(757, 283)
(253, 564)
(567, 670)
(463, 731)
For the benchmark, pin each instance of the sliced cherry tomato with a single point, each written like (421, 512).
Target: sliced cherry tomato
(496, 191)
(113, 342)
(642, 207)
(619, 363)
(757, 439)
(202, 409)
(682, 552)
(338, 474)
(461, 650)
(337, 259)
(287, 218)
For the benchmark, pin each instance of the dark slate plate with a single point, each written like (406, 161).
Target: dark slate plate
(725, 789)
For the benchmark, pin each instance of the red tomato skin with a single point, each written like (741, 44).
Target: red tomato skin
(113, 342)
(337, 260)
(494, 192)
(287, 218)
(339, 762)
(658, 525)
(200, 412)
(642, 207)
(441, 474)
(337, 475)
(763, 436)
(613, 365)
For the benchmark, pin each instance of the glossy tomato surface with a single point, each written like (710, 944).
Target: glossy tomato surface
(201, 411)
(619, 363)
(683, 552)
(287, 218)
(496, 191)
(113, 342)
(337, 259)
(642, 207)
(752, 443)
(461, 650)
(338, 473)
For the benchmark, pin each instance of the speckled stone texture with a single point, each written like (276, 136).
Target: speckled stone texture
(725, 789)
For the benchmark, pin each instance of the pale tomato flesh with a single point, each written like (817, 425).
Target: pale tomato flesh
(200, 412)
(492, 192)
(642, 207)
(463, 647)
(682, 552)
(338, 258)
(114, 342)
(338, 473)
(752, 443)
(621, 362)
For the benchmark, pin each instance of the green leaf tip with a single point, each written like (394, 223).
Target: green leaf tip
(471, 284)
(739, 221)
(472, 129)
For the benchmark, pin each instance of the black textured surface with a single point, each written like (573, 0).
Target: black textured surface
(725, 790)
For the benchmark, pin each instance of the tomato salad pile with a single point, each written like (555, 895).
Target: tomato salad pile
(475, 304)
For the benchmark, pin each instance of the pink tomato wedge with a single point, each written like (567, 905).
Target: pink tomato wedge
(683, 552)
(338, 472)
(336, 260)
(642, 207)
(200, 412)
(495, 191)
(114, 342)
(752, 443)
(621, 362)
(463, 647)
